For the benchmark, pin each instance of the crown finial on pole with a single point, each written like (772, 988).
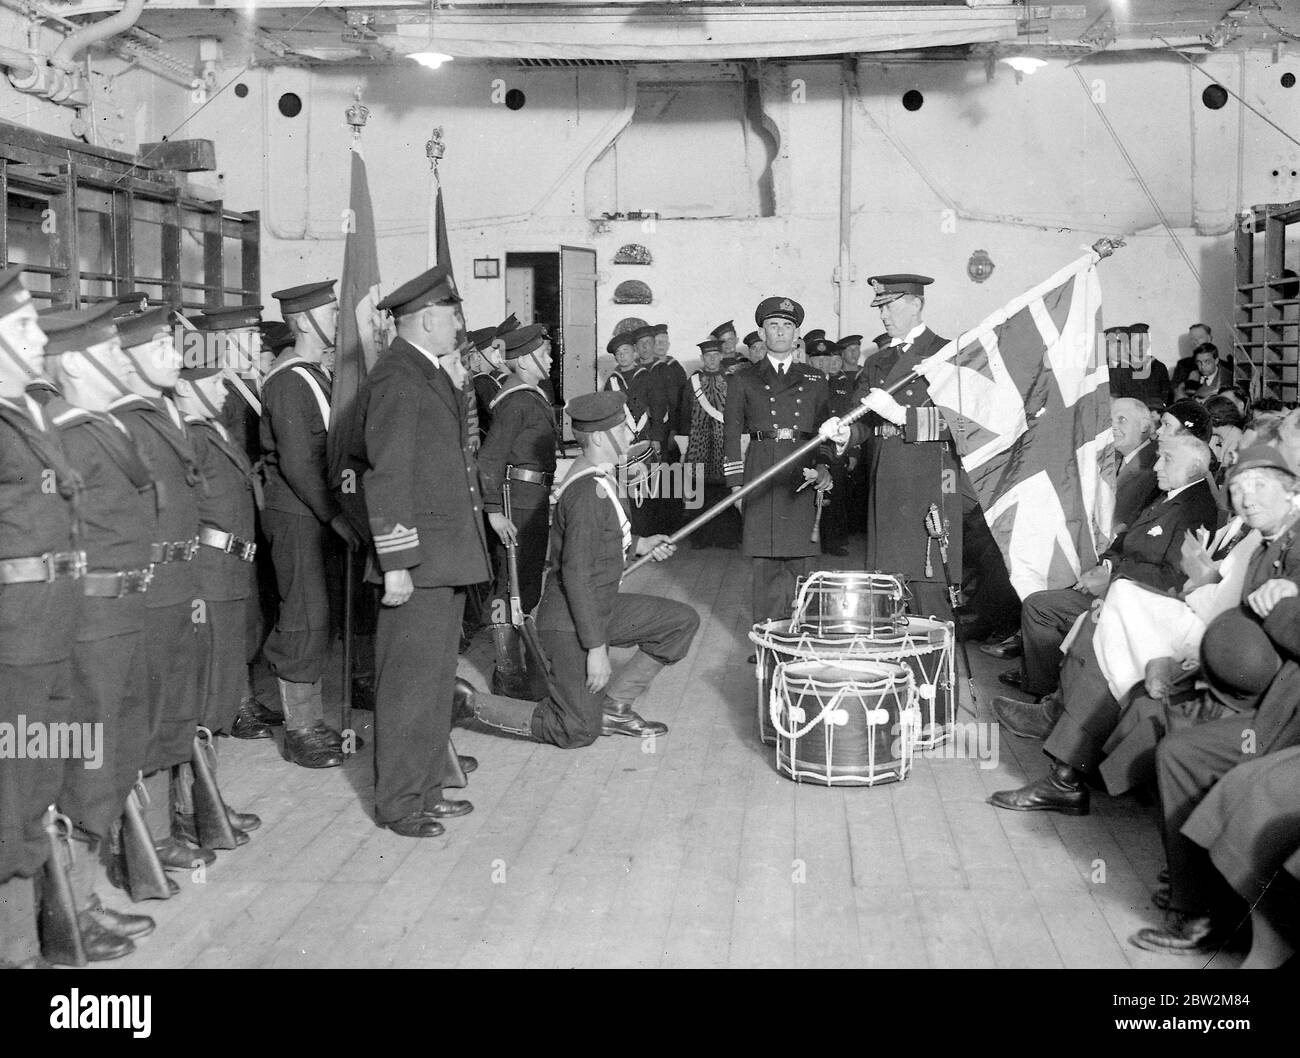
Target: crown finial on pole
(357, 114)
(434, 148)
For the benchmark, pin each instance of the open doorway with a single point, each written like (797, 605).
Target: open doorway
(558, 289)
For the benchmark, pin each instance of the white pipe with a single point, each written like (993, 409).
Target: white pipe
(22, 64)
(66, 55)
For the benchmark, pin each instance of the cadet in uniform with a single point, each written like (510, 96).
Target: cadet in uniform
(703, 399)
(39, 604)
(224, 563)
(490, 374)
(778, 404)
(152, 365)
(426, 520)
(246, 342)
(583, 613)
(301, 510)
(519, 453)
(913, 462)
(631, 379)
(116, 506)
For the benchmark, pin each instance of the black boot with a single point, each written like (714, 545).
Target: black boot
(1062, 790)
(247, 725)
(303, 747)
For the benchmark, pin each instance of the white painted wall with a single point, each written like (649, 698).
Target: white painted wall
(1028, 170)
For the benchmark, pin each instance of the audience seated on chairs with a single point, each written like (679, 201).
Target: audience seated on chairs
(1249, 826)
(1262, 634)
(1147, 551)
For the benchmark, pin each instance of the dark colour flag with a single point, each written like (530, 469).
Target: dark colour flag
(1028, 401)
(361, 330)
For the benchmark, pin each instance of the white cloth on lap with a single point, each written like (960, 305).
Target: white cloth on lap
(1138, 624)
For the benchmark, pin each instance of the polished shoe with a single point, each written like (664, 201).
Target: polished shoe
(462, 701)
(467, 764)
(244, 821)
(1058, 791)
(306, 749)
(1028, 719)
(247, 725)
(186, 829)
(264, 713)
(334, 739)
(101, 944)
(1012, 678)
(448, 809)
(182, 857)
(119, 922)
(1011, 647)
(416, 825)
(628, 722)
(1181, 935)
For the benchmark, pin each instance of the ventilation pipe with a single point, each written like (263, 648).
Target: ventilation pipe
(60, 78)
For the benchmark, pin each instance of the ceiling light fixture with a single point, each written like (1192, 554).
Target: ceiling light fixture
(431, 59)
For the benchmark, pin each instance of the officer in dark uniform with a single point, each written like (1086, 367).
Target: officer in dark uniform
(153, 364)
(913, 462)
(583, 613)
(421, 491)
(778, 404)
(519, 454)
(116, 505)
(40, 569)
(301, 518)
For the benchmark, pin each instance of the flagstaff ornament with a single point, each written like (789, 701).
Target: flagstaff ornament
(434, 148)
(357, 114)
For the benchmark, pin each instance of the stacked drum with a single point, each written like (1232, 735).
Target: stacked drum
(850, 685)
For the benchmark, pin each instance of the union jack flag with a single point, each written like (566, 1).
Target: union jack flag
(1027, 398)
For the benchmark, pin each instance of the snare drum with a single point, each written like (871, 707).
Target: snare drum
(925, 646)
(837, 602)
(844, 723)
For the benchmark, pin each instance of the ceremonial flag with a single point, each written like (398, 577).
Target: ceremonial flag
(1027, 397)
(361, 330)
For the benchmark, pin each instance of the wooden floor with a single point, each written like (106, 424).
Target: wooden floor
(696, 854)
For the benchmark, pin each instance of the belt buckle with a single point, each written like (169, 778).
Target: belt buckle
(784, 434)
(136, 579)
(57, 562)
(247, 550)
(189, 548)
(231, 541)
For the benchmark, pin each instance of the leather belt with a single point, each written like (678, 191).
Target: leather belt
(244, 550)
(176, 551)
(47, 567)
(115, 585)
(781, 435)
(536, 477)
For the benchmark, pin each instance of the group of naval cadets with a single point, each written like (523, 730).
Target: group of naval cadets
(172, 535)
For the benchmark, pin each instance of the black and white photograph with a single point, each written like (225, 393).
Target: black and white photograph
(609, 484)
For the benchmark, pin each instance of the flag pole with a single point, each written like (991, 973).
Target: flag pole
(357, 115)
(1103, 248)
(434, 149)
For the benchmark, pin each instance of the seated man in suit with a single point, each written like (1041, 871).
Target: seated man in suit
(1135, 452)
(1147, 551)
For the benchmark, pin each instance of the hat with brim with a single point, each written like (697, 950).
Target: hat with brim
(305, 297)
(76, 330)
(1259, 457)
(892, 287)
(723, 329)
(710, 345)
(593, 412)
(525, 340)
(434, 287)
(781, 308)
(1193, 417)
(144, 327)
(234, 318)
(13, 293)
(1238, 659)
